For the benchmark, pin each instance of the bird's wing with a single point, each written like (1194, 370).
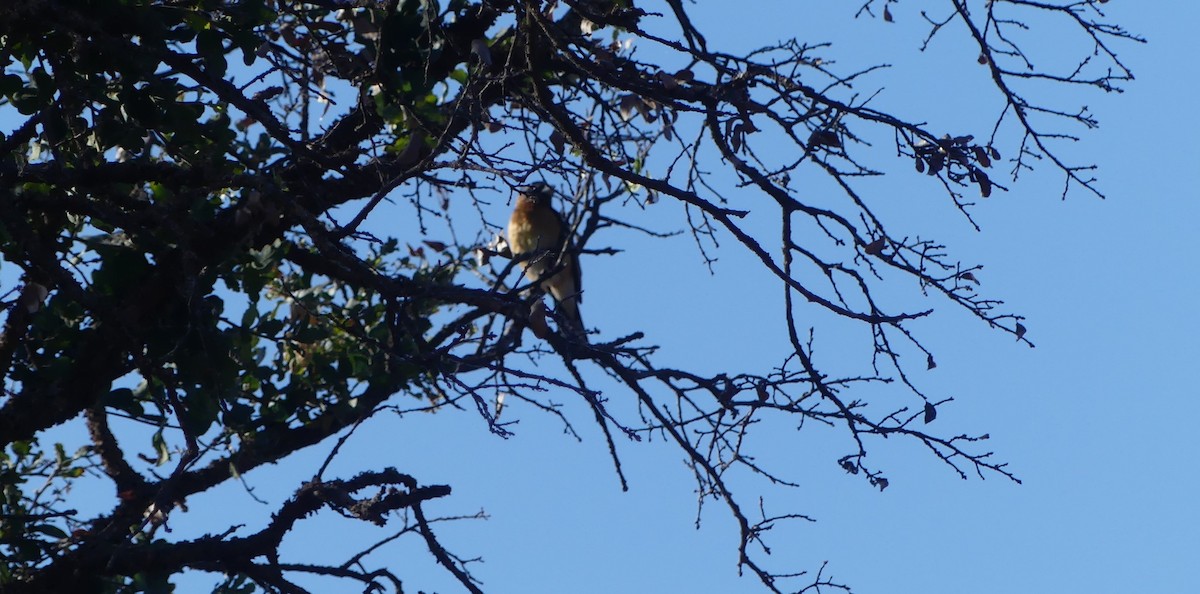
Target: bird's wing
(568, 248)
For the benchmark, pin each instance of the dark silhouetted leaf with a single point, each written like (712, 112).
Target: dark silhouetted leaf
(824, 137)
(985, 184)
(558, 141)
(981, 156)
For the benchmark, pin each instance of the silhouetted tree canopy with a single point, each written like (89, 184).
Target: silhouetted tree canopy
(214, 225)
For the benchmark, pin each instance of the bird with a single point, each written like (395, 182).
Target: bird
(537, 231)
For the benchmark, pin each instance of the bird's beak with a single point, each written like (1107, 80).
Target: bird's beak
(527, 190)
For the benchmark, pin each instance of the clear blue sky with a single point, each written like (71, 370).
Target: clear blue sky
(1097, 420)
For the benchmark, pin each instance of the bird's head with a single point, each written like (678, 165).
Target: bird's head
(538, 192)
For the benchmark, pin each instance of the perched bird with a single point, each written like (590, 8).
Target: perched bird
(536, 230)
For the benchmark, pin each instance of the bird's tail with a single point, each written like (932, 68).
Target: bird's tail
(570, 319)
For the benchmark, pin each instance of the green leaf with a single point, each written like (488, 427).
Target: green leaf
(22, 448)
(249, 316)
(210, 48)
(160, 446)
(44, 83)
(153, 582)
(200, 414)
(271, 327)
(238, 414)
(123, 399)
(9, 84)
(121, 271)
(49, 530)
(311, 334)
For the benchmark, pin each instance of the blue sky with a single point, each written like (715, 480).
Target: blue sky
(1096, 420)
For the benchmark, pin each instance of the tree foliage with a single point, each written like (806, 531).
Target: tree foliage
(190, 204)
